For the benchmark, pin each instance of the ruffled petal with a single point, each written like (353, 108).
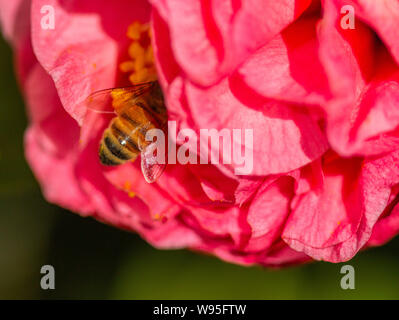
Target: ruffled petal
(268, 212)
(51, 145)
(215, 38)
(284, 137)
(364, 82)
(287, 66)
(334, 222)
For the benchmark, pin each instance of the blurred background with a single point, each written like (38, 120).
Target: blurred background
(96, 261)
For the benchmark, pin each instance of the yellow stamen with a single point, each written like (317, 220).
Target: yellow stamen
(136, 51)
(143, 75)
(127, 66)
(131, 194)
(141, 66)
(149, 56)
(127, 188)
(135, 30)
(126, 185)
(139, 63)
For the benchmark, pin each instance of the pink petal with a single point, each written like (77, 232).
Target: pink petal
(388, 225)
(194, 48)
(382, 16)
(247, 187)
(274, 17)
(215, 38)
(335, 222)
(13, 18)
(279, 256)
(220, 223)
(167, 67)
(287, 68)
(268, 212)
(357, 116)
(284, 138)
(51, 145)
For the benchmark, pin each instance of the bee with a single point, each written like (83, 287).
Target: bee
(138, 109)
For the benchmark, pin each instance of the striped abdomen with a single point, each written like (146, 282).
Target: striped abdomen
(124, 139)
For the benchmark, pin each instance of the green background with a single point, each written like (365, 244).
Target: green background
(96, 261)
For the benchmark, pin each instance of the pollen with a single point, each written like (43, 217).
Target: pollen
(131, 194)
(126, 185)
(140, 66)
(127, 188)
(160, 217)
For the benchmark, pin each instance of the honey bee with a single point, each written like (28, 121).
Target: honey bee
(137, 109)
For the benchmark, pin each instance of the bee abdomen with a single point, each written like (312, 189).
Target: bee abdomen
(125, 135)
(112, 152)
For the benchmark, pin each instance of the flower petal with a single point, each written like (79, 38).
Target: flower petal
(52, 145)
(287, 66)
(335, 222)
(284, 138)
(215, 38)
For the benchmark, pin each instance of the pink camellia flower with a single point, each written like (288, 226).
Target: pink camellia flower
(322, 101)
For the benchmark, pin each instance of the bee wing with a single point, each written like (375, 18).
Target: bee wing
(102, 101)
(150, 167)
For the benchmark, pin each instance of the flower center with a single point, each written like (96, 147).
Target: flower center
(141, 65)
